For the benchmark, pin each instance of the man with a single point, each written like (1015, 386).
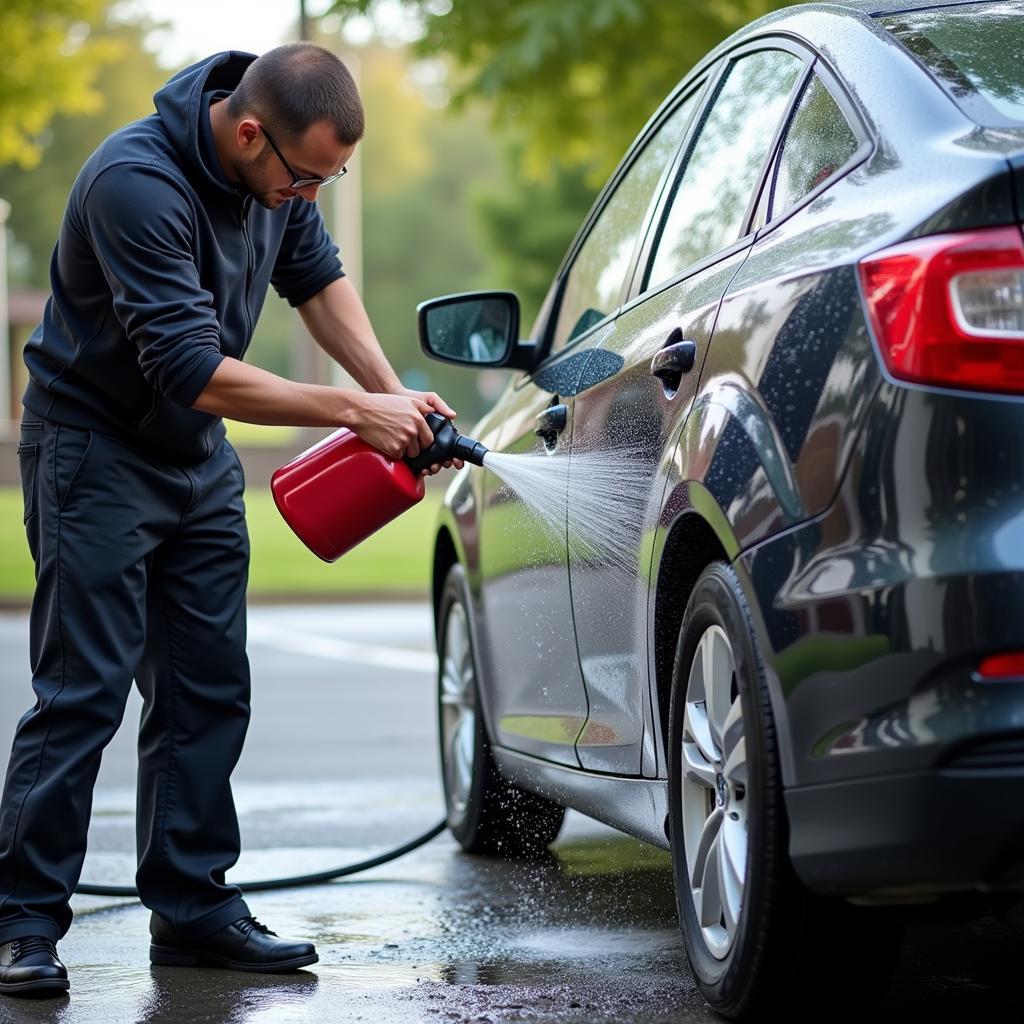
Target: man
(133, 497)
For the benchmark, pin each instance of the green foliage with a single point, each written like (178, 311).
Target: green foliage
(50, 62)
(527, 225)
(576, 79)
(570, 83)
(38, 196)
(419, 237)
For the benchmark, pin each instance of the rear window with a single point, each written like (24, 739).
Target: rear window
(976, 51)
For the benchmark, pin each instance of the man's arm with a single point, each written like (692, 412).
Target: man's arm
(307, 273)
(386, 415)
(337, 320)
(393, 424)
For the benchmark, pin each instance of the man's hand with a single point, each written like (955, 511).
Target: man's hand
(437, 404)
(393, 424)
(434, 400)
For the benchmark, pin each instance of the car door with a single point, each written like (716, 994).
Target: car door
(535, 694)
(536, 697)
(659, 342)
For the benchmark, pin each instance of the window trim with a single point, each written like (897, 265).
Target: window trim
(693, 88)
(705, 75)
(639, 286)
(865, 150)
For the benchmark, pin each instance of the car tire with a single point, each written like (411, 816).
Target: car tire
(756, 939)
(487, 814)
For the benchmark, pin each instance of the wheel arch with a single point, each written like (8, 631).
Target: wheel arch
(445, 556)
(690, 546)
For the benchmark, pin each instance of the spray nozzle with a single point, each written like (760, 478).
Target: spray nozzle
(448, 444)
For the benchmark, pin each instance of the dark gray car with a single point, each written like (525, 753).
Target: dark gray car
(795, 314)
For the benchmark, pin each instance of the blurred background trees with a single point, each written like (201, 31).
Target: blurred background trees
(569, 84)
(50, 63)
(489, 134)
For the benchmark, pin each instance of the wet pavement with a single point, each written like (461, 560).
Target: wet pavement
(340, 764)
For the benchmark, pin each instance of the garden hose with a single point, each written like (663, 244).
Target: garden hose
(317, 878)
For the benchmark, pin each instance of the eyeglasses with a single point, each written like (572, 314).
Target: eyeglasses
(298, 181)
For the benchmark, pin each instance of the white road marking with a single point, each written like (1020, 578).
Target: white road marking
(342, 650)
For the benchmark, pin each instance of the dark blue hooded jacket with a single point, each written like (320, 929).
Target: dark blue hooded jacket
(160, 271)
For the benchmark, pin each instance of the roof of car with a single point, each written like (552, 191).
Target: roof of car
(878, 7)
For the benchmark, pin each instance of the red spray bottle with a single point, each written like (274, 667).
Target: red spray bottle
(341, 490)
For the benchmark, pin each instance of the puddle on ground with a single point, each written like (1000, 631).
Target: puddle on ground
(595, 943)
(373, 977)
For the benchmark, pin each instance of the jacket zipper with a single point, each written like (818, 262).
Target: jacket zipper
(250, 259)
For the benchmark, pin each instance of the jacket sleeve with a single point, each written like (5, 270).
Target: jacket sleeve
(307, 261)
(141, 229)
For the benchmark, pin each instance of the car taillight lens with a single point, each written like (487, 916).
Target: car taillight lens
(1002, 666)
(949, 310)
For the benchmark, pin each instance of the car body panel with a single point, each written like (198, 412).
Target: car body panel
(875, 526)
(537, 699)
(634, 412)
(878, 611)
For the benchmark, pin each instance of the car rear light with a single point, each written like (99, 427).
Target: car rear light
(1002, 666)
(949, 310)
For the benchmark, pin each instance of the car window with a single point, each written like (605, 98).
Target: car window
(706, 212)
(594, 283)
(972, 50)
(819, 140)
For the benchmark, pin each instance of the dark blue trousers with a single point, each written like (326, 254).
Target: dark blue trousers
(141, 569)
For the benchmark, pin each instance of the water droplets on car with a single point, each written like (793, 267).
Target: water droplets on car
(608, 491)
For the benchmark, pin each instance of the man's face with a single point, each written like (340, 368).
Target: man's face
(315, 154)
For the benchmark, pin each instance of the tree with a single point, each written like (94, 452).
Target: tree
(575, 79)
(49, 66)
(419, 240)
(38, 195)
(569, 83)
(526, 226)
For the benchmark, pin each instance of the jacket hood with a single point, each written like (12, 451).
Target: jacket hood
(179, 104)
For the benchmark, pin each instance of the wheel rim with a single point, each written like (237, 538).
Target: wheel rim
(458, 711)
(714, 788)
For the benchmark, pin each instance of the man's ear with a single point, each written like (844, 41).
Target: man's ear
(247, 134)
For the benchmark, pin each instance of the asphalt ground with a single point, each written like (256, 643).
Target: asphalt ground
(340, 764)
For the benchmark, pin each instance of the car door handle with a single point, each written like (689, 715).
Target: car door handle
(670, 363)
(551, 422)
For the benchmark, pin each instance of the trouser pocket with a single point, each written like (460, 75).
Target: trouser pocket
(28, 460)
(73, 447)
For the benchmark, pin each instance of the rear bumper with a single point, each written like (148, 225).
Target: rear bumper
(956, 827)
(904, 771)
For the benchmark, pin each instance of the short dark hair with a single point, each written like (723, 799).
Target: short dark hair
(296, 85)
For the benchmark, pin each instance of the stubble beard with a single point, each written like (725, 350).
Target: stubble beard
(253, 182)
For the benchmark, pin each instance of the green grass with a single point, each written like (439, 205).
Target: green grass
(396, 559)
(16, 578)
(259, 436)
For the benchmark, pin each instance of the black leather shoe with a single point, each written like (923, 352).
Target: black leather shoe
(245, 945)
(29, 966)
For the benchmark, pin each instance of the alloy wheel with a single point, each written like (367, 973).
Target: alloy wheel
(713, 792)
(458, 710)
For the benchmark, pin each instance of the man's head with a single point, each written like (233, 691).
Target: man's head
(296, 114)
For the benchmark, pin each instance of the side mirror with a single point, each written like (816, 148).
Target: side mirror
(474, 329)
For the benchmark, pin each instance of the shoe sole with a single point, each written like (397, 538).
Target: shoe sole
(47, 987)
(168, 956)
